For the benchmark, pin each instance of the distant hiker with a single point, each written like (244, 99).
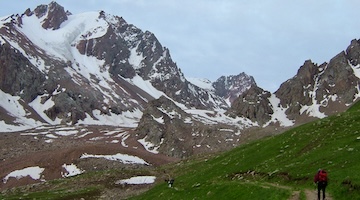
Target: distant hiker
(321, 180)
(170, 182)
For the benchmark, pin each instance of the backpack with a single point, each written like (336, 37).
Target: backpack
(322, 176)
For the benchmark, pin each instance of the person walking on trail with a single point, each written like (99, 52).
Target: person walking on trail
(322, 181)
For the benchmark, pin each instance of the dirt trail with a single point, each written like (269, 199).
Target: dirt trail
(310, 195)
(295, 195)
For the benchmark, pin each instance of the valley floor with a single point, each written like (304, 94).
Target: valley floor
(50, 148)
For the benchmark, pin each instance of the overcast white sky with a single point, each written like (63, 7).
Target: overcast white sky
(269, 39)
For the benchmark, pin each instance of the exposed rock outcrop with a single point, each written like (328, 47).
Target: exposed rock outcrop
(176, 133)
(253, 104)
(231, 87)
(18, 76)
(328, 87)
(54, 15)
(162, 124)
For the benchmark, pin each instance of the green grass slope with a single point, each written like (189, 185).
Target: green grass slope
(274, 167)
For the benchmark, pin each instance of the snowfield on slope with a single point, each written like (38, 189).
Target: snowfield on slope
(124, 158)
(137, 180)
(33, 172)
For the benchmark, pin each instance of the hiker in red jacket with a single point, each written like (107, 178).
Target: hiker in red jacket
(321, 180)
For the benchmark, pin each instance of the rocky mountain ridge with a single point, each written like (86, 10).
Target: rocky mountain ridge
(95, 69)
(108, 58)
(316, 91)
(231, 87)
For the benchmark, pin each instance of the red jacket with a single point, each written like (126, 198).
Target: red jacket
(317, 176)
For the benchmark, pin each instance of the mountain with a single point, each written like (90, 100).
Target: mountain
(316, 91)
(227, 87)
(323, 90)
(254, 104)
(179, 132)
(96, 69)
(76, 88)
(231, 87)
(89, 68)
(91, 83)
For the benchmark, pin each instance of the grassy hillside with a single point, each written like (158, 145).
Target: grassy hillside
(274, 167)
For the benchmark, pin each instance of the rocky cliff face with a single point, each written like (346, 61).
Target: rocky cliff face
(321, 90)
(18, 76)
(170, 130)
(55, 15)
(316, 91)
(162, 125)
(231, 87)
(253, 104)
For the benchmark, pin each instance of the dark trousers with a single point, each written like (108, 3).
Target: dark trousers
(321, 187)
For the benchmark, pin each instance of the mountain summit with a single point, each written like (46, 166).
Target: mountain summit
(87, 68)
(231, 87)
(54, 15)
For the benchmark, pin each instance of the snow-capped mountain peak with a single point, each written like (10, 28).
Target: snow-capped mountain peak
(89, 66)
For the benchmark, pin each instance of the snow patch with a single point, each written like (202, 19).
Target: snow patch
(125, 119)
(150, 147)
(72, 170)
(313, 110)
(145, 86)
(159, 120)
(202, 83)
(59, 42)
(135, 58)
(138, 180)
(279, 113)
(356, 70)
(37, 105)
(14, 108)
(172, 114)
(67, 132)
(33, 172)
(124, 158)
